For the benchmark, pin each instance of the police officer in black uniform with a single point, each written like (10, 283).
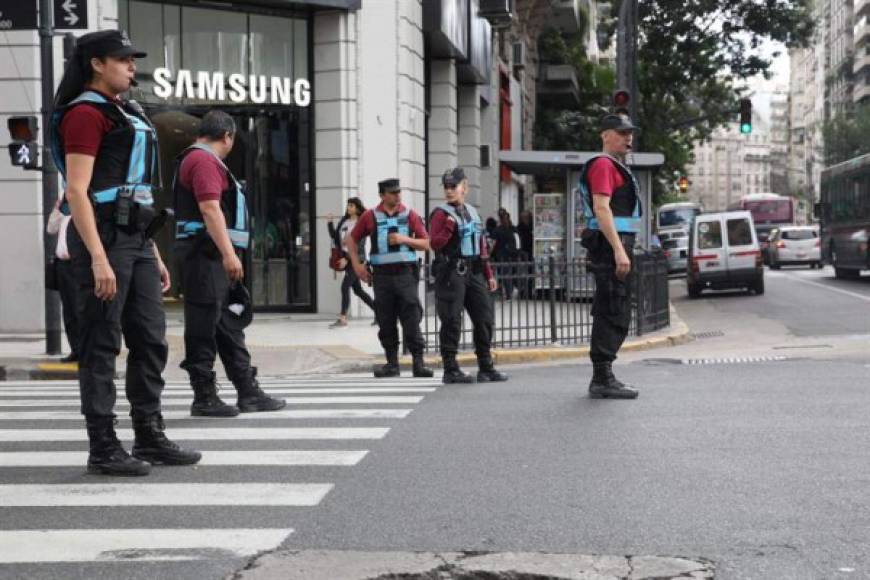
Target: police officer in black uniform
(211, 230)
(397, 233)
(613, 215)
(463, 280)
(106, 150)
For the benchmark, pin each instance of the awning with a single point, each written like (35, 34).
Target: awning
(543, 162)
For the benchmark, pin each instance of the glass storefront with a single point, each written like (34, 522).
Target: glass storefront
(272, 154)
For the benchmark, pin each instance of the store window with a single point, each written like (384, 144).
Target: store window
(272, 153)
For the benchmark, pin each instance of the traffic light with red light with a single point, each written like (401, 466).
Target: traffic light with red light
(683, 184)
(24, 150)
(621, 100)
(746, 116)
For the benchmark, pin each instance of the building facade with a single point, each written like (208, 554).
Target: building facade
(329, 97)
(729, 165)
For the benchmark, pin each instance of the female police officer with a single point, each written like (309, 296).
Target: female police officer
(106, 150)
(463, 280)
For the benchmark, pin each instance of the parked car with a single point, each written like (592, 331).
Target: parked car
(795, 245)
(677, 251)
(724, 253)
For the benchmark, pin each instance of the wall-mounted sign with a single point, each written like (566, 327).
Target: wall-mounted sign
(237, 88)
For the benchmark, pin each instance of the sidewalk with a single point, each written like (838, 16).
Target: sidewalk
(291, 344)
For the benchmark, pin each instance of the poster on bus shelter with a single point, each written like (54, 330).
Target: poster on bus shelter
(549, 223)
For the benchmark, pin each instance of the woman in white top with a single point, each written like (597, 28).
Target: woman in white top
(66, 284)
(339, 234)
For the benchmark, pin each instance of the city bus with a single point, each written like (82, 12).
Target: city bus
(844, 216)
(768, 210)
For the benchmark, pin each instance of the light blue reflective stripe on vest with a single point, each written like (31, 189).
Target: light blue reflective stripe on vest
(469, 231)
(138, 154)
(185, 230)
(239, 234)
(623, 224)
(398, 223)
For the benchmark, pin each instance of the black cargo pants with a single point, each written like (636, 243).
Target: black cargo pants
(136, 312)
(455, 292)
(611, 306)
(396, 299)
(207, 334)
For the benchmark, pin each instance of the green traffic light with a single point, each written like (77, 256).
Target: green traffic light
(746, 128)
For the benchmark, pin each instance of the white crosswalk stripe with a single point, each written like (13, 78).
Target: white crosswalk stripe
(185, 402)
(336, 419)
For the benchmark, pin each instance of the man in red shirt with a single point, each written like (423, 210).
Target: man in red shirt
(211, 228)
(612, 207)
(397, 233)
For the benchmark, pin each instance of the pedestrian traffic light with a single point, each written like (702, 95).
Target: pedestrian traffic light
(24, 150)
(621, 100)
(745, 116)
(683, 184)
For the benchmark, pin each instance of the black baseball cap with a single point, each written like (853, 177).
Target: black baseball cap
(241, 311)
(389, 186)
(617, 123)
(452, 177)
(108, 43)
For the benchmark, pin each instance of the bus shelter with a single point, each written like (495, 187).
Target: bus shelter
(556, 204)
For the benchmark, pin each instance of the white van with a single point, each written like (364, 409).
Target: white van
(724, 253)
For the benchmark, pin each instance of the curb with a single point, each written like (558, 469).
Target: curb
(350, 360)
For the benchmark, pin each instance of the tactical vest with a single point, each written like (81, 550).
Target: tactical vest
(189, 221)
(626, 196)
(382, 252)
(126, 163)
(466, 237)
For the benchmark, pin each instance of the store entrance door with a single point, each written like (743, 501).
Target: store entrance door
(271, 157)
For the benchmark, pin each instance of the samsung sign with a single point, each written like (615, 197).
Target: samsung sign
(237, 88)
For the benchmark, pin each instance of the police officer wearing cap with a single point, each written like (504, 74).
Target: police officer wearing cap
(106, 149)
(611, 199)
(397, 233)
(211, 231)
(463, 280)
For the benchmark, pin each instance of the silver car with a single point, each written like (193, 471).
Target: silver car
(795, 245)
(675, 244)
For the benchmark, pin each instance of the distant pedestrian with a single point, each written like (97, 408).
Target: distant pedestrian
(611, 200)
(339, 234)
(397, 233)
(525, 230)
(463, 280)
(58, 224)
(505, 249)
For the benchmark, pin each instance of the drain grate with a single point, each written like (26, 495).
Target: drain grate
(709, 334)
(734, 360)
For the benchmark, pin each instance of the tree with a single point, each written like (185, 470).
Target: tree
(691, 57)
(845, 136)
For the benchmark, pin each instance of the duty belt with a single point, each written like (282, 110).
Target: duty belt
(463, 265)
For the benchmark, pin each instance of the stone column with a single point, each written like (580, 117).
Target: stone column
(469, 140)
(443, 124)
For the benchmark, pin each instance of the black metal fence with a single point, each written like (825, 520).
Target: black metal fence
(548, 301)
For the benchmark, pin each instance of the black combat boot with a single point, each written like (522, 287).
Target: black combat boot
(389, 370)
(153, 446)
(452, 373)
(252, 399)
(420, 368)
(206, 402)
(606, 386)
(486, 371)
(107, 456)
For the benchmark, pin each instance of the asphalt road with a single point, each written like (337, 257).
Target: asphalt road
(759, 466)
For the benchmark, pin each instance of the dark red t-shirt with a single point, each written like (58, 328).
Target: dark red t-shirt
(366, 224)
(83, 128)
(604, 178)
(204, 175)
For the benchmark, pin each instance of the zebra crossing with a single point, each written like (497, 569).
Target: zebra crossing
(262, 468)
